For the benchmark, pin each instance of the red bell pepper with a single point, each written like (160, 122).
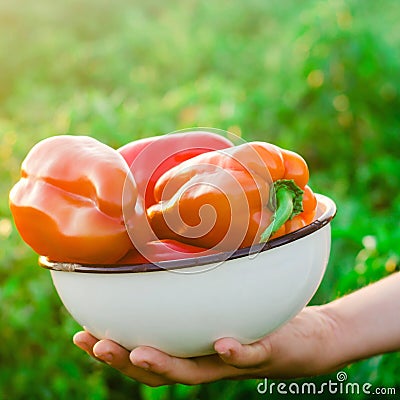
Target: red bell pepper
(149, 158)
(163, 250)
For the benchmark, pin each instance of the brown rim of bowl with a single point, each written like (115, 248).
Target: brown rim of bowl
(320, 222)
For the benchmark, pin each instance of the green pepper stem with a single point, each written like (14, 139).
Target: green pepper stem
(288, 198)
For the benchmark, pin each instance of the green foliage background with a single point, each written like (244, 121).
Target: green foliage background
(319, 77)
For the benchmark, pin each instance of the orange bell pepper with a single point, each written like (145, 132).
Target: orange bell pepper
(68, 203)
(233, 198)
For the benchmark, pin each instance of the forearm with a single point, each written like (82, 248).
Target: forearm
(368, 320)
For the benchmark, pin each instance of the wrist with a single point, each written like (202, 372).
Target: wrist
(335, 354)
(367, 320)
(340, 352)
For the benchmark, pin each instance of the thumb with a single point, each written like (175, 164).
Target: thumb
(243, 355)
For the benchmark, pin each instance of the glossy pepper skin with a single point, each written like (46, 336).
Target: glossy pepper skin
(68, 203)
(224, 199)
(149, 158)
(163, 250)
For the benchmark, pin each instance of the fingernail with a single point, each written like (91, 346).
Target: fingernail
(141, 364)
(77, 340)
(107, 357)
(225, 353)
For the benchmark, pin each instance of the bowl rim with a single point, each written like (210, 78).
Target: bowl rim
(325, 218)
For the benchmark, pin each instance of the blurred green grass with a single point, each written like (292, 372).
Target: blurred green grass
(319, 77)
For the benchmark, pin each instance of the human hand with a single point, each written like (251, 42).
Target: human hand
(320, 339)
(307, 345)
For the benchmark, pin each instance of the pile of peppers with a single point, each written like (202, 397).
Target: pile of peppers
(156, 199)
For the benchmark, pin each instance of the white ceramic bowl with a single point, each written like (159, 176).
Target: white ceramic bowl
(182, 312)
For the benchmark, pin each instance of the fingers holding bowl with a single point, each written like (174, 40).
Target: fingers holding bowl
(118, 357)
(85, 341)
